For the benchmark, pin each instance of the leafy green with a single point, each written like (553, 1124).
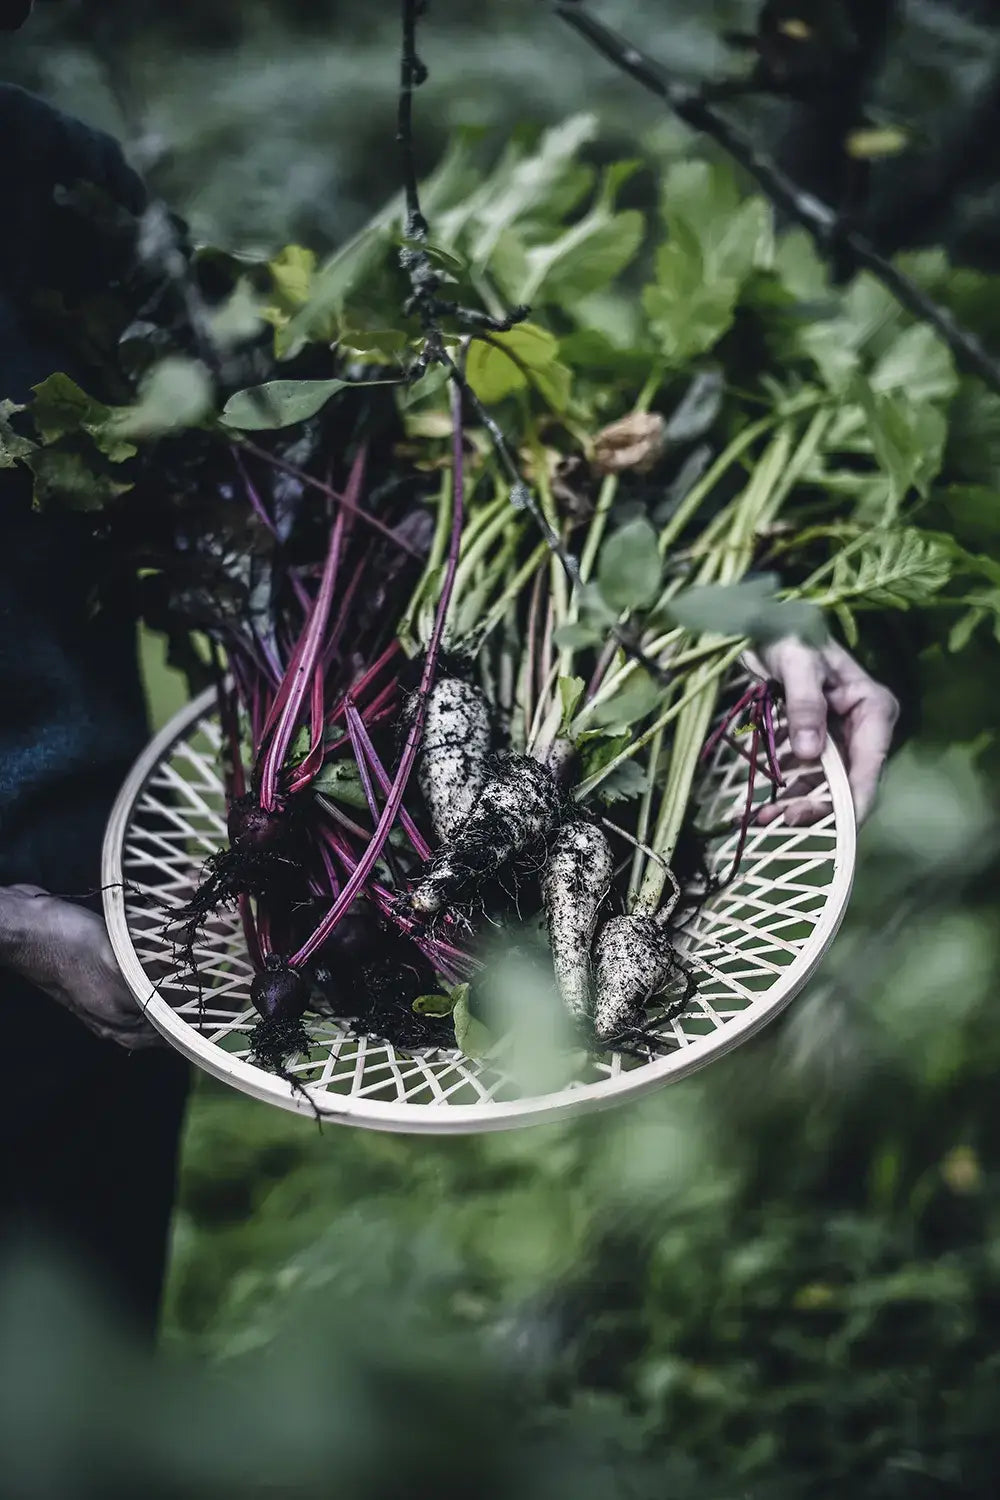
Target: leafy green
(629, 570)
(341, 780)
(12, 445)
(508, 362)
(571, 690)
(176, 393)
(637, 697)
(434, 1005)
(471, 1036)
(750, 608)
(278, 403)
(897, 569)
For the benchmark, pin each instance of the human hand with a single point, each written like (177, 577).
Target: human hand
(64, 950)
(826, 689)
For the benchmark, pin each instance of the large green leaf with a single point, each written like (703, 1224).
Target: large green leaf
(64, 476)
(508, 362)
(908, 440)
(688, 311)
(918, 364)
(278, 403)
(629, 568)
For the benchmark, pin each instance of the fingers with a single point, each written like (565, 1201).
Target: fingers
(802, 674)
(868, 712)
(870, 731)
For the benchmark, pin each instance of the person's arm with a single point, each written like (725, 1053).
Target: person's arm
(64, 950)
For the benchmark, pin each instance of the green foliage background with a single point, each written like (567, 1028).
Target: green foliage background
(780, 1279)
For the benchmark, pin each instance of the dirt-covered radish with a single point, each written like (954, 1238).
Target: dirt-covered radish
(456, 745)
(633, 958)
(517, 806)
(577, 879)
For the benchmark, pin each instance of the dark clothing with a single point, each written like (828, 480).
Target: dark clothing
(88, 1132)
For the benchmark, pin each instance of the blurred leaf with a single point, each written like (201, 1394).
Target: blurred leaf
(576, 636)
(176, 393)
(622, 784)
(629, 569)
(908, 441)
(750, 608)
(240, 318)
(471, 1036)
(65, 477)
(917, 364)
(688, 313)
(698, 408)
(524, 186)
(876, 143)
(61, 409)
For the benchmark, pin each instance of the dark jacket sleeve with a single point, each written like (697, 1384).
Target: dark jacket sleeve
(45, 244)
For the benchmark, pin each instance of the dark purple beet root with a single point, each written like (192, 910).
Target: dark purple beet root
(250, 827)
(278, 992)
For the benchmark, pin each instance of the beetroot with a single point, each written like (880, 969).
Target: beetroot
(279, 992)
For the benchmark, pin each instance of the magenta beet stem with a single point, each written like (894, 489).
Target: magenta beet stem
(770, 743)
(299, 674)
(751, 694)
(748, 810)
(346, 501)
(336, 536)
(362, 764)
(360, 737)
(363, 682)
(414, 737)
(317, 749)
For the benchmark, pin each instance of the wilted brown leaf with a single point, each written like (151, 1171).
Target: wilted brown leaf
(634, 442)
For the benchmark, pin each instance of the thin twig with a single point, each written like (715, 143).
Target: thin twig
(692, 106)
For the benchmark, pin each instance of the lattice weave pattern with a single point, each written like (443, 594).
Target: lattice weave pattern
(752, 945)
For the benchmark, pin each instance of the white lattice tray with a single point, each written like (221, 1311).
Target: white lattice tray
(754, 943)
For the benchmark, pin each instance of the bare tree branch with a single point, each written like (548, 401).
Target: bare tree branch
(691, 106)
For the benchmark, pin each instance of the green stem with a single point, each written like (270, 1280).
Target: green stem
(435, 561)
(584, 788)
(645, 813)
(692, 731)
(499, 607)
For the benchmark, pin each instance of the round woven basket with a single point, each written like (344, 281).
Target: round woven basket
(753, 944)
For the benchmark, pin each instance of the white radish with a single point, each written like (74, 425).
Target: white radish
(455, 747)
(517, 806)
(577, 879)
(632, 961)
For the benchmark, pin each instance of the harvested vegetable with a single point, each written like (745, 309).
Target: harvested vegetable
(471, 584)
(577, 881)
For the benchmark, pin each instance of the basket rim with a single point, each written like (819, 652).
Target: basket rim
(457, 1119)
